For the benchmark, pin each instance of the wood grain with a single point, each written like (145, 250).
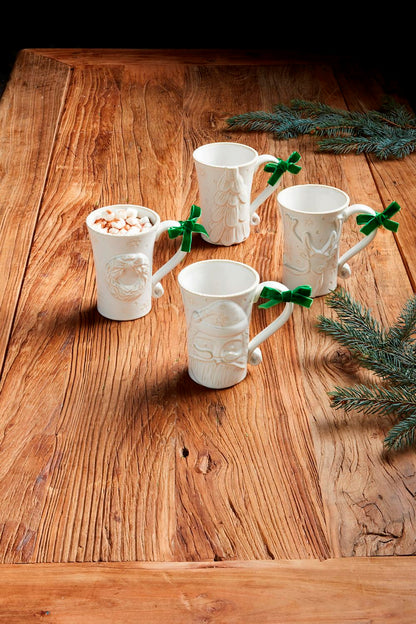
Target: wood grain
(369, 496)
(40, 368)
(30, 110)
(343, 591)
(108, 451)
(272, 448)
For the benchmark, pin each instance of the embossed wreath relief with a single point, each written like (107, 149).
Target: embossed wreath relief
(127, 275)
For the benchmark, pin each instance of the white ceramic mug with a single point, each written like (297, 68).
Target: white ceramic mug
(218, 297)
(123, 264)
(225, 174)
(312, 217)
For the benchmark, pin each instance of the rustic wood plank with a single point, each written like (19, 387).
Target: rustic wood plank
(368, 496)
(365, 515)
(42, 352)
(119, 503)
(260, 461)
(342, 591)
(30, 110)
(368, 94)
(76, 497)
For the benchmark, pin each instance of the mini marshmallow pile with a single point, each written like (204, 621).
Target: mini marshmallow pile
(121, 221)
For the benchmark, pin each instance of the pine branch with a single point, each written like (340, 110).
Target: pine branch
(373, 400)
(405, 327)
(357, 329)
(394, 363)
(388, 133)
(387, 353)
(393, 367)
(382, 147)
(356, 315)
(391, 354)
(402, 435)
(358, 341)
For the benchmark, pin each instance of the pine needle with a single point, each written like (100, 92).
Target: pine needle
(355, 315)
(389, 132)
(402, 435)
(390, 353)
(374, 400)
(405, 327)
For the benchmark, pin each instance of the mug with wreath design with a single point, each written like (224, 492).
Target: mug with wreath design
(123, 237)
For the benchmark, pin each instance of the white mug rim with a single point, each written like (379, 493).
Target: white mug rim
(201, 148)
(148, 212)
(213, 261)
(292, 189)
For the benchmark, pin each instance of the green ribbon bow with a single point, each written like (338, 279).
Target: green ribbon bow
(280, 167)
(299, 295)
(379, 219)
(186, 228)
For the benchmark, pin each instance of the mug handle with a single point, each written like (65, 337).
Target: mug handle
(344, 270)
(254, 355)
(157, 288)
(274, 181)
(254, 217)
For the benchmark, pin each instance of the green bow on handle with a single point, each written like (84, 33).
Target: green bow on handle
(280, 167)
(379, 219)
(186, 228)
(299, 295)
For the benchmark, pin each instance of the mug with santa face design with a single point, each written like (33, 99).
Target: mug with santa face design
(123, 238)
(218, 297)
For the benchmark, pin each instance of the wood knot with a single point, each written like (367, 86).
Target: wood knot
(343, 360)
(204, 463)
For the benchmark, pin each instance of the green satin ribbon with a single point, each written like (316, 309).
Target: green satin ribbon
(299, 295)
(379, 219)
(186, 228)
(279, 168)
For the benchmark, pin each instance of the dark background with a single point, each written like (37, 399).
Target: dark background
(379, 39)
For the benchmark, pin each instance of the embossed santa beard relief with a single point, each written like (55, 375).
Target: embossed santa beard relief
(217, 345)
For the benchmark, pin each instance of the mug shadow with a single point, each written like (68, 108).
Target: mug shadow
(168, 387)
(178, 391)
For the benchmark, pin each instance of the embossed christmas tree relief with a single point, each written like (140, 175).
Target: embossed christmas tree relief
(230, 218)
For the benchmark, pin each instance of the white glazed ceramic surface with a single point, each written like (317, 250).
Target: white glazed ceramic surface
(312, 218)
(218, 297)
(225, 175)
(123, 266)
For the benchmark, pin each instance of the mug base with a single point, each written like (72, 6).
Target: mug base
(129, 316)
(216, 384)
(221, 243)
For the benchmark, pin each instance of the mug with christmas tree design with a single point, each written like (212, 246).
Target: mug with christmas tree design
(225, 172)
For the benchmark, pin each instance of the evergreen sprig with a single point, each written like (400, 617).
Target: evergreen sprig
(389, 353)
(389, 132)
(403, 434)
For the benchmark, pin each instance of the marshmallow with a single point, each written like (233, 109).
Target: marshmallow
(122, 221)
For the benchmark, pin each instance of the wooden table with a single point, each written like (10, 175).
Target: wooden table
(131, 493)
